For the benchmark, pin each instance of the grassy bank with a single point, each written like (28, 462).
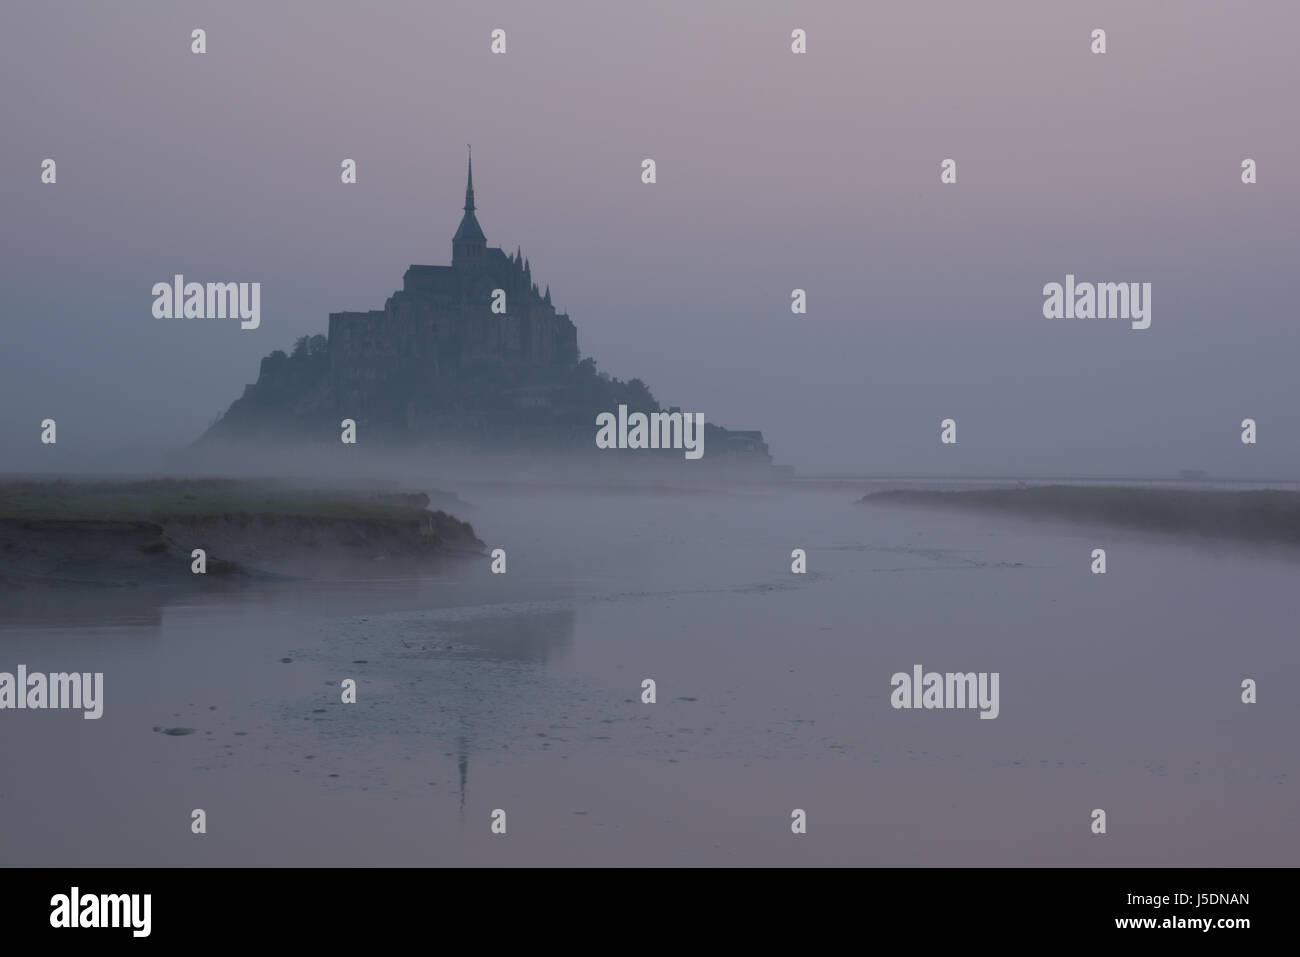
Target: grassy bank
(65, 530)
(160, 500)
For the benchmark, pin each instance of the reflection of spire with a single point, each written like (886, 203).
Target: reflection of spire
(462, 761)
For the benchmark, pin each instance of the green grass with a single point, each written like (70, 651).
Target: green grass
(160, 500)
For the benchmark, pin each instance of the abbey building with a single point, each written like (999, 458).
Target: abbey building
(465, 355)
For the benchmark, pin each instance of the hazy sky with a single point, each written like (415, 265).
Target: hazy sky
(775, 171)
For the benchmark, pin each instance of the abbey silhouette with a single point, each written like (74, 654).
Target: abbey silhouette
(438, 365)
(442, 320)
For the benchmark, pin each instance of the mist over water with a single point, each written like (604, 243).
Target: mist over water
(522, 692)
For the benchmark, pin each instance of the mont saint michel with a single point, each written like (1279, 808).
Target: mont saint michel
(473, 355)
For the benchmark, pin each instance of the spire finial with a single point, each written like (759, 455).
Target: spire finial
(469, 182)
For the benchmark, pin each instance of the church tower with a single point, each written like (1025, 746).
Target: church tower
(469, 245)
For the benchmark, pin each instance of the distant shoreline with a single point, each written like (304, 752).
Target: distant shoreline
(1257, 515)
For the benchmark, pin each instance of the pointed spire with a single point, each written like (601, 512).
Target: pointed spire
(547, 298)
(519, 255)
(468, 243)
(527, 270)
(469, 183)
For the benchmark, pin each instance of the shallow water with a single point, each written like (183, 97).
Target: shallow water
(522, 692)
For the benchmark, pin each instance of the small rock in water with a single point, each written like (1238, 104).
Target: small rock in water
(177, 732)
(286, 661)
